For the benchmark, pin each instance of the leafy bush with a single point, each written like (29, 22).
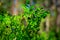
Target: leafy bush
(22, 27)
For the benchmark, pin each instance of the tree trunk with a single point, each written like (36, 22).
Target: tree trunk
(14, 8)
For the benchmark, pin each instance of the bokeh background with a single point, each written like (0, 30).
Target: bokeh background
(50, 24)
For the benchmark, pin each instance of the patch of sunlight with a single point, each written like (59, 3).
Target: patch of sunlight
(0, 3)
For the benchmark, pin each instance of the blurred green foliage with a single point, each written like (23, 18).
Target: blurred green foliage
(22, 27)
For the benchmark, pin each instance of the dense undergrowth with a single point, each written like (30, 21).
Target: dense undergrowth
(25, 26)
